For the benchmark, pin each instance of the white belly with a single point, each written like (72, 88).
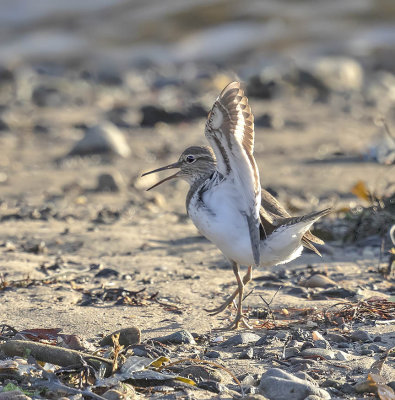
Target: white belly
(221, 222)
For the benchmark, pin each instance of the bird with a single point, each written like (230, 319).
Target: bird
(226, 203)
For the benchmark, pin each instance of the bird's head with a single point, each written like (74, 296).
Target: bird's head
(195, 162)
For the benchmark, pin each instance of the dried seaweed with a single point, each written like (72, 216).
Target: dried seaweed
(373, 309)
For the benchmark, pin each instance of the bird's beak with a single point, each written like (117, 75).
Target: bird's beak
(170, 166)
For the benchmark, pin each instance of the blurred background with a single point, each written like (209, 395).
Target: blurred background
(244, 35)
(117, 88)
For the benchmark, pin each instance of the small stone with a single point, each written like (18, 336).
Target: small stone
(342, 356)
(332, 383)
(247, 354)
(107, 273)
(109, 183)
(375, 348)
(347, 388)
(200, 373)
(179, 337)
(391, 385)
(113, 395)
(361, 336)
(280, 385)
(317, 336)
(334, 337)
(213, 354)
(105, 138)
(241, 338)
(318, 280)
(282, 335)
(339, 292)
(211, 386)
(305, 361)
(322, 344)
(316, 352)
(291, 352)
(44, 96)
(3, 126)
(367, 352)
(127, 336)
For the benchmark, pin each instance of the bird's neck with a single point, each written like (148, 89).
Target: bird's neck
(196, 182)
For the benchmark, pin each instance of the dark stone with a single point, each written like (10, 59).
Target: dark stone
(213, 354)
(361, 336)
(247, 354)
(3, 126)
(106, 273)
(261, 88)
(179, 337)
(211, 386)
(40, 129)
(339, 292)
(241, 338)
(127, 336)
(44, 96)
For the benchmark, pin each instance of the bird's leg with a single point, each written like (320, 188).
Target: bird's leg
(239, 316)
(246, 278)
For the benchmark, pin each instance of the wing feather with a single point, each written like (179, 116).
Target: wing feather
(230, 131)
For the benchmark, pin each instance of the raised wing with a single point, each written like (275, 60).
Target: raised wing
(230, 131)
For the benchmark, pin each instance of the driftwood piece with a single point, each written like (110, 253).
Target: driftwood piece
(51, 354)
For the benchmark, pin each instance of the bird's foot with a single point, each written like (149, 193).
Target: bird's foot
(240, 319)
(217, 310)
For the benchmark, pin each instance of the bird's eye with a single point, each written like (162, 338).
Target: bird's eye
(190, 159)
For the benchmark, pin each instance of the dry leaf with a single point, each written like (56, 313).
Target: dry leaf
(361, 191)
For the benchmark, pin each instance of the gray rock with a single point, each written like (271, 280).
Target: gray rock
(241, 338)
(109, 183)
(342, 356)
(304, 361)
(291, 352)
(335, 337)
(322, 344)
(361, 336)
(127, 336)
(105, 138)
(213, 354)
(179, 337)
(324, 353)
(247, 354)
(276, 384)
(375, 348)
(202, 373)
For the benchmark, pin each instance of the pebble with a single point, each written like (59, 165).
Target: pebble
(200, 373)
(340, 292)
(324, 353)
(109, 183)
(291, 352)
(179, 337)
(211, 386)
(305, 361)
(105, 138)
(335, 337)
(127, 336)
(45, 96)
(247, 354)
(361, 336)
(213, 354)
(241, 338)
(276, 384)
(376, 348)
(342, 356)
(318, 281)
(322, 344)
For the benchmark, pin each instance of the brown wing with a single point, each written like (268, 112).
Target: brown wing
(230, 131)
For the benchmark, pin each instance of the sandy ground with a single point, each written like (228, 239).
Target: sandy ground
(312, 163)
